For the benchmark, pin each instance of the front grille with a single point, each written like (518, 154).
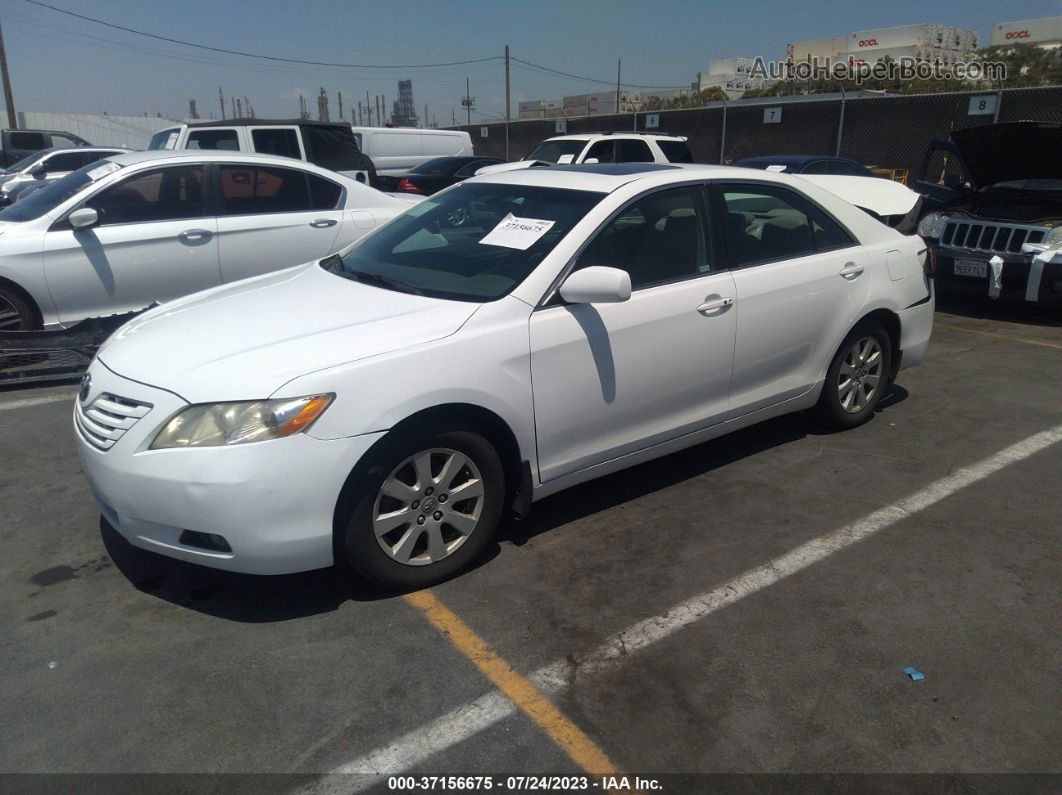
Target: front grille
(106, 419)
(989, 237)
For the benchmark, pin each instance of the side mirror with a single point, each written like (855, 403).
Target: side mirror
(597, 285)
(83, 217)
(38, 172)
(590, 160)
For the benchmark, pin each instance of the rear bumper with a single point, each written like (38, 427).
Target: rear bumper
(1017, 271)
(916, 327)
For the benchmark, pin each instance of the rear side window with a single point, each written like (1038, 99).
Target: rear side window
(848, 169)
(282, 142)
(765, 223)
(827, 233)
(631, 151)
(163, 194)
(259, 190)
(226, 140)
(676, 151)
(27, 140)
(334, 148)
(816, 167)
(324, 194)
(64, 141)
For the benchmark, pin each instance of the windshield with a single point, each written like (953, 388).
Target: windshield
(1033, 184)
(552, 151)
(471, 243)
(437, 166)
(46, 199)
(163, 139)
(24, 162)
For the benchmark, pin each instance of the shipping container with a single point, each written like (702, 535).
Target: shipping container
(1047, 31)
(816, 48)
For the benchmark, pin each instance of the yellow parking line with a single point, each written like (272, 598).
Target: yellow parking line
(571, 739)
(1027, 341)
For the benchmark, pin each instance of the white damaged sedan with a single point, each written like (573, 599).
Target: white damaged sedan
(505, 339)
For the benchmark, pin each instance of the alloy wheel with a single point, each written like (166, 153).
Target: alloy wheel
(10, 319)
(860, 375)
(428, 506)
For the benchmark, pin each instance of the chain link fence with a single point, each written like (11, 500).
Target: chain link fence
(883, 131)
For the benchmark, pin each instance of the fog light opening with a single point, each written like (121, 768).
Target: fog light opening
(1056, 285)
(211, 541)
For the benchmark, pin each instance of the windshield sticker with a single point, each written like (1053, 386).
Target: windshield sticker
(776, 168)
(565, 159)
(103, 170)
(171, 142)
(519, 233)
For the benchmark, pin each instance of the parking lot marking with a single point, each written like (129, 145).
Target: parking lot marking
(517, 688)
(1026, 340)
(464, 722)
(38, 401)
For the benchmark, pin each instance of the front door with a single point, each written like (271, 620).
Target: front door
(612, 379)
(272, 217)
(153, 242)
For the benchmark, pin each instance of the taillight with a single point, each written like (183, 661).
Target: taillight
(405, 186)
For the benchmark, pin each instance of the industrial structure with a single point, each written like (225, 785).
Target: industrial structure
(1046, 33)
(926, 42)
(404, 113)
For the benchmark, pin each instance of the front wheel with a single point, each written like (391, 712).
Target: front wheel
(856, 379)
(428, 506)
(15, 313)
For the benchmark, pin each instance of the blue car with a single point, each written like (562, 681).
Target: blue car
(806, 164)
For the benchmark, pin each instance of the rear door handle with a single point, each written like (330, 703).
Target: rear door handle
(714, 304)
(322, 223)
(851, 269)
(195, 234)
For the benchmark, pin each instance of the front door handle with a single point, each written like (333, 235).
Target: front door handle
(193, 235)
(714, 304)
(322, 223)
(851, 269)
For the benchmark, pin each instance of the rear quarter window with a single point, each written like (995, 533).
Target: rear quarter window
(333, 148)
(676, 151)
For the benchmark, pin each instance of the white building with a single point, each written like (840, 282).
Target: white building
(1046, 33)
(926, 42)
(733, 75)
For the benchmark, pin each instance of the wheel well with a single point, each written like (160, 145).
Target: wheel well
(889, 321)
(452, 416)
(38, 320)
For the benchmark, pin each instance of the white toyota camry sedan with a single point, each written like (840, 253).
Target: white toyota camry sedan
(505, 339)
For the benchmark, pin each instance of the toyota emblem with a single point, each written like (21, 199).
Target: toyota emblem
(83, 390)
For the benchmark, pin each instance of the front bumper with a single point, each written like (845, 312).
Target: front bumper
(1017, 270)
(273, 502)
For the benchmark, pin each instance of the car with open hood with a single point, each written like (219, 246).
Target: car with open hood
(498, 342)
(995, 211)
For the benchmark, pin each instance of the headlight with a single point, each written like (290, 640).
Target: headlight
(219, 424)
(932, 225)
(1054, 237)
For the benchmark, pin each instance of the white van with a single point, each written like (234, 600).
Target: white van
(396, 150)
(326, 144)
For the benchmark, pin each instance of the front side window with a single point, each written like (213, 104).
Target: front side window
(51, 196)
(65, 161)
(60, 141)
(475, 242)
(226, 140)
(604, 151)
(258, 190)
(765, 223)
(279, 141)
(162, 194)
(659, 238)
(632, 151)
(164, 139)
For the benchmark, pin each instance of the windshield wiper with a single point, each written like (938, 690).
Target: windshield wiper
(380, 280)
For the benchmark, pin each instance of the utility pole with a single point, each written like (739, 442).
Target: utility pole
(426, 125)
(340, 105)
(12, 119)
(453, 113)
(467, 102)
(368, 110)
(507, 103)
(221, 98)
(619, 66)
(239, 108)
(192, 112)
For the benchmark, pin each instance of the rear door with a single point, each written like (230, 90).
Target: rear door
(154, 241)
(800, 279)
(271, 217)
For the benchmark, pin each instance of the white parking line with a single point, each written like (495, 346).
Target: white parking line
(37, 401)
(466, 721)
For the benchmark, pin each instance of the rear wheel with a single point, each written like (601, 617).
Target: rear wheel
(15, 313)
(429, 504)
(856, 379)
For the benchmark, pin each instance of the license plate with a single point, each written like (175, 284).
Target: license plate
(971, 267)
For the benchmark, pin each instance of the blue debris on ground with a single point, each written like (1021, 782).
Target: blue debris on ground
(914, 673)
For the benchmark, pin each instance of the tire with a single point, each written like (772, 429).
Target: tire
(15, 312)
(389, 541)
(865, 354)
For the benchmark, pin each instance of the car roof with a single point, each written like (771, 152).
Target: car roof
(51, 149)
(621, 134)
(132, 158)
(264, 123)
(607, 177)
(791, 159)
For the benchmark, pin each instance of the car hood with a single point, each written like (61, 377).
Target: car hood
(245, 340)
(880, 196)
(1020, 207)
(1013, 150)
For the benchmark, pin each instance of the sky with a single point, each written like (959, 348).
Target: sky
(62, 64)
